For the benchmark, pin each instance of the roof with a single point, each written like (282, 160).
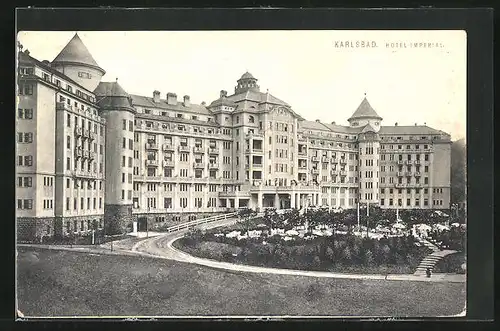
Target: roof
(409, 129)
(223, 101)
(110, 95)
(257, 96)
(365, 110)
(76, 52)
(142, 101)
(247, 75)
(313, 125)
(368, 128)
(28, 59)
(341, 128)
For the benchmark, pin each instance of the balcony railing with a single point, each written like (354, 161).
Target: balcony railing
(213, 150)
(168, 147)
(199, 165)
(78, 131)
(343, 173)
(86, 154)
(400, 174)
(254, 134)
(85, 174)
(257, 165)
(78, 152)
(153, 163)
(343, 161)
(92, 155)
(334, 172)
(314, 159)
(417, 174)
(183, 148)
(324, 159)
(417, 161)
(408, 174)
(92, 135)
(151, 146)
(168, 163)
(334, 160)
(257, 150)
(86, 133)
(398, 185)
(198, 150)
(315, 171)
(409, 162)
(400, 162)
(213, 166)
(302, 166)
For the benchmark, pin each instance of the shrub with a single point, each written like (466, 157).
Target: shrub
(368, 258)
(330, 253)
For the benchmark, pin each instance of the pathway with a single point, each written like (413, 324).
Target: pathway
(430, 261)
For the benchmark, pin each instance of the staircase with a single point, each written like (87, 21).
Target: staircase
(430, 260)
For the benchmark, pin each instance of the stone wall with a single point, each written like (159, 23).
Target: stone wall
(117, 219)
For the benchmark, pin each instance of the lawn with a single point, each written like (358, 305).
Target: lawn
(63, 283)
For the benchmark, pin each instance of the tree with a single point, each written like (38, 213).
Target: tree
(458, 171)
(246, 214)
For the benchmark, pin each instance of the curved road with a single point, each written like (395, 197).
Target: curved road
(161, 246)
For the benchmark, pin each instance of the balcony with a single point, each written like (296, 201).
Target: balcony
(167, 147)
(334, 172)
(302, 153)
(408, 174)
(324, 159)
(334, 160)
(85, 174)
(315, 171)
(400, 174)
(152, 163)
(168, 164)
(86, 154)
(199, 165)
(398, 185)
(92, 135)
(86, 133)
(78, 152)
(257, 165)
(303, 166)
(213, 166)
(63, 106)
(153, 146)
(78, 131)
(213, 151)
(400, 162)
(343, 173)
(417, 162)
(183, 148)
(257, 134)
(314, 159)
(409, 162)
(198, 150)
(92, 155)
(257, 150)
(417, 174)
(343, 161)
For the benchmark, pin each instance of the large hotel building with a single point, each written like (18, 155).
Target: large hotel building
(90, 155)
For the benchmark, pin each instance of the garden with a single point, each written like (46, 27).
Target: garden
(324, 240)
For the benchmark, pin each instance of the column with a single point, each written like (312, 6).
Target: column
(277, 201)
(205, 197)
(190, 197)
(174, 196)
(259, 201)
(292, 200)
(236, 203)
(228, 203)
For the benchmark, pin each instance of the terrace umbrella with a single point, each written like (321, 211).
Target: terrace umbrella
(424, 227)
(455, 224)
(399, 226)
(292, 233)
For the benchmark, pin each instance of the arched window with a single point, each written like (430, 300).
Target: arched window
(251, 119)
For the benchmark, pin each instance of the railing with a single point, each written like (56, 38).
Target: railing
(343, 161)
(168, 147)
(151, 162)
(187, 225)
(400, 162)
(63, 106)
(408, 174)
(151, 146)
(198, 150)
(314, 159)
(92, 155)
(409, 161)
(212, 150)
(199, 165)
(257, 150)
(78, 152)
(182, 148)
(168, 163)
(78, 130)
(333, 160)
(417, 161)
(334, 172)
(86, 133)
(324, 159)
(86, 154)
(400, 174)
(92, 135)
(417, 174)
(302, 153)
(343, 173)
(257, 165)
(315, 171)
(213, 166)
(302, 166)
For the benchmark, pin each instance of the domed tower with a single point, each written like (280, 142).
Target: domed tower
(76, 62)
(245, 83)
(369, 151)
(364, 115)
(116, 107)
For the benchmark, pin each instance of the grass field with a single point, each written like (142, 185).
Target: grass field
(64, 283)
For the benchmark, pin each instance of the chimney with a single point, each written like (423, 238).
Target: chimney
(156, 96)
(27, 52)
(333, 123)
(171, 98)
(46, 62)
(187, 101)
(425, 123)
(203, 103)
(415, 124)
(396, 124)
(317, 121)
(223, 94)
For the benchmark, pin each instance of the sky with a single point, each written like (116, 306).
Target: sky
(307, 69)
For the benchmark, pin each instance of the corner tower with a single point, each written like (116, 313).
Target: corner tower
(116, 107)
(76, 62)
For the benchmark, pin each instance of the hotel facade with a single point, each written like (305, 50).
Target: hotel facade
(89, 155)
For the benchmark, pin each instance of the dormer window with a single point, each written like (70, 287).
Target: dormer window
(355, 123)
(194, 118)
(377, 123)
(251, 119)
(179, 115)
(147, 111)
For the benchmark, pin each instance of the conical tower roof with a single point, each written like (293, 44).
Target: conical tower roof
(365, 110)
(75, 52)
